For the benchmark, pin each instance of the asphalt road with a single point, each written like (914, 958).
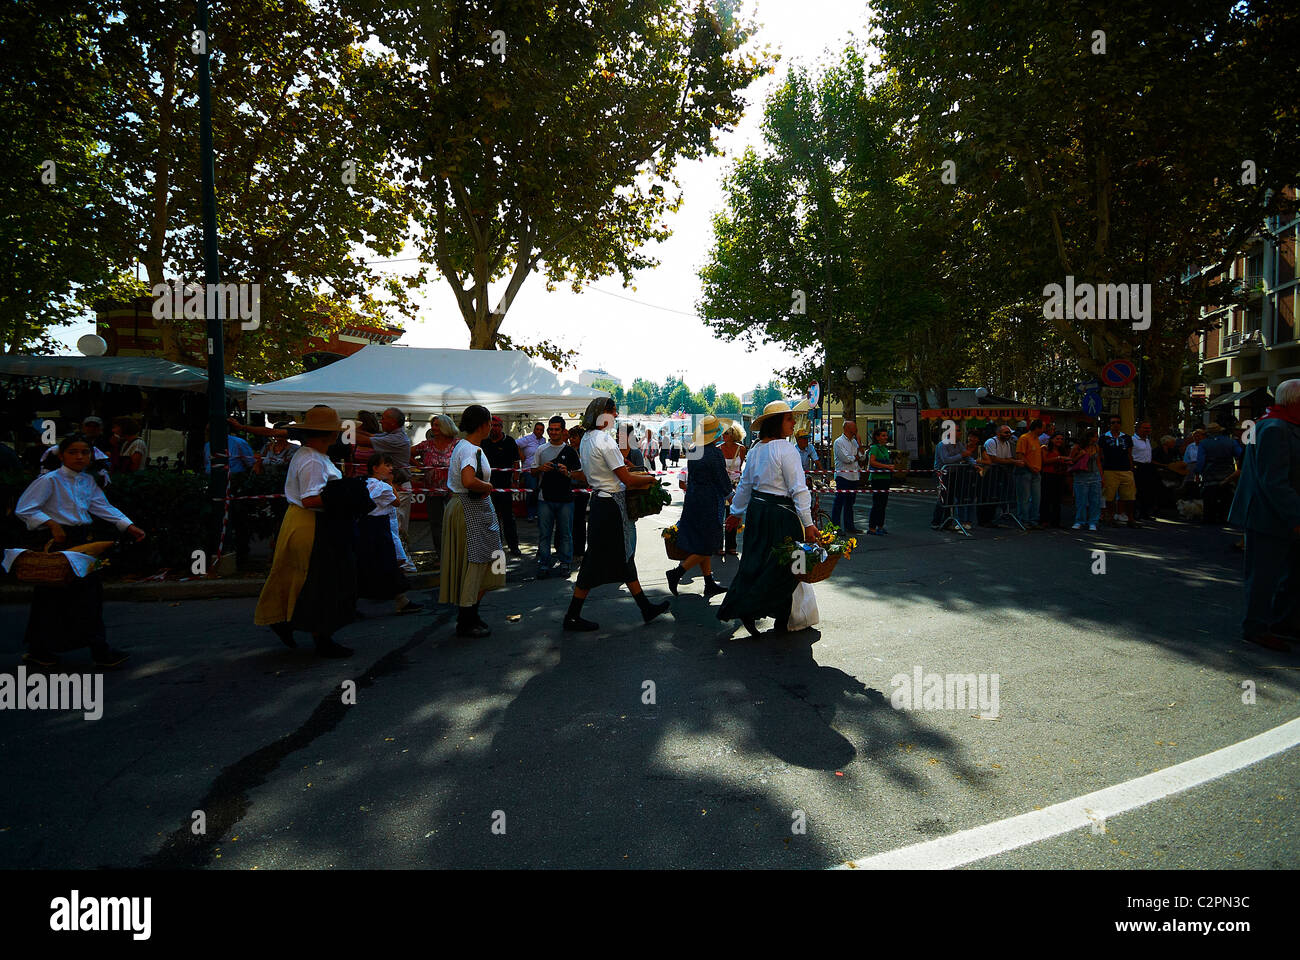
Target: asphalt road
(1102, 678)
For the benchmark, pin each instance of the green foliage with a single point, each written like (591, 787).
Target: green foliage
(727, 405)
(556, 153)
(174, 511)
(1123, 166)
(56, 237)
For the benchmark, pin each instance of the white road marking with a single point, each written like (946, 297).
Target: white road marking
(992, 839)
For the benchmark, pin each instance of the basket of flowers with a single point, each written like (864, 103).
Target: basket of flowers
(670, 544)
(814, 562)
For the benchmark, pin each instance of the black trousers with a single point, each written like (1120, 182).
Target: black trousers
(1053, 494)
(66, 618)
(435, 501)
(1148, 484)
(580, 501)
(504, 505)
(1217, 498)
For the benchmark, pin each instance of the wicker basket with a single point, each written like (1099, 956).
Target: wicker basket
(675, 552)
(821, 571)
(42, 568)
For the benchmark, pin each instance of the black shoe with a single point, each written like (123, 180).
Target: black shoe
(577, 623)
(109, 657)
(326, 647)
(473, 630)
(42, 660)
(285, 632)
(411, 607)
(674, 578)
(713, 589)
(748, 623)
(654, 609)
(782, 626)
(514, 552)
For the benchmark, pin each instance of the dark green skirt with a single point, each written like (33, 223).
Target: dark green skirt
(763, 586)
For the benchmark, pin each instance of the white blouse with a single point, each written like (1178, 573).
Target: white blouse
(773, 466)
(600, 458)
(68, 498)
(463, 455)
(308, 472)
(382, 495)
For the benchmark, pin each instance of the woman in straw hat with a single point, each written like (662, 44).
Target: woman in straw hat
(699, 532)
(773, 497)
(611, 546)
(472, 559)
(303, 590)
(733, 452)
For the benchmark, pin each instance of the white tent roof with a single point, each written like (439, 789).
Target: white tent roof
(422, 381)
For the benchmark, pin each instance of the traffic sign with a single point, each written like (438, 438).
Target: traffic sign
(1091, 403)
(1117, 373)
(1083, 386)
(1117, 393)
(814, 394)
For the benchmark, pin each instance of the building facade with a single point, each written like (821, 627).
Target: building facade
(1249, 348)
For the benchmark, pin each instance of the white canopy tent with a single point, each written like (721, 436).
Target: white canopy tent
(422, 382)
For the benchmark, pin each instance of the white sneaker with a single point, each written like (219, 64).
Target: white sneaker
(1077, 526)
(1121, 518)
(1092, 527)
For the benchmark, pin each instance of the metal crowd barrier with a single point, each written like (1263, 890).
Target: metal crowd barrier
(969, 493)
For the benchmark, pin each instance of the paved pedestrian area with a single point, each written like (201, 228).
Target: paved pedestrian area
(535, 748)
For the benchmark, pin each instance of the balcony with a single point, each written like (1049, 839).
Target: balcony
(1250, 285)
(1240, 342)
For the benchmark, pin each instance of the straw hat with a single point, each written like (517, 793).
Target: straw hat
(709, 429)
(779, 408)
(322, 418)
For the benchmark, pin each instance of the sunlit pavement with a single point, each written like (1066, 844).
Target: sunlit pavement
(535, 748)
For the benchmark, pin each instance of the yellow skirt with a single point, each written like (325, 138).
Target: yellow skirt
(288, 568)
(460, 581)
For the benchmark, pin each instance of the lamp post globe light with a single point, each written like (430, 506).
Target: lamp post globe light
(92, 345)
(855, 374)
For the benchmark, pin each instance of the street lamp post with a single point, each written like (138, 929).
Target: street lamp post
(217, 437)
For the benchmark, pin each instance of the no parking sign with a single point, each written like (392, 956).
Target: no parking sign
(1118, 373)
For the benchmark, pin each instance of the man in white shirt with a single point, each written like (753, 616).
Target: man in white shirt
(1144, 472)
(807, 453)
(847, 476)
(999, 492)
(527, 448)
(1192, 453)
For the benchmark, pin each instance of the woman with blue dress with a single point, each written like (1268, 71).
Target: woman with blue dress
(699, 532)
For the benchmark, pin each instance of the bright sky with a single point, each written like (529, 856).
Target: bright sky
(653, 331)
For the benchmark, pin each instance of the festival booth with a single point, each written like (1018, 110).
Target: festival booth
(170, 398)
(423, 382)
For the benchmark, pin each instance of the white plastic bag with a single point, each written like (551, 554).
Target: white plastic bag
(803, 608)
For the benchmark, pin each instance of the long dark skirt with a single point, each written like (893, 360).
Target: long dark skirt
(763, 586)
(379, 575)
(605, 561)
(66, 618)
(328, 599)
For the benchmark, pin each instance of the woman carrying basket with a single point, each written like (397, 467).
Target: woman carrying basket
(58, 509)
(611, 547)
(773, 497)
